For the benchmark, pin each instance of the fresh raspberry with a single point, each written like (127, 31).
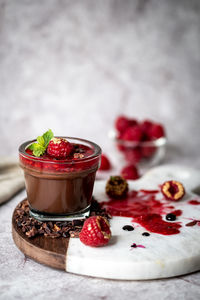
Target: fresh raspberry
(130, 172)
(133, 156)
(133, 133)
(121, 124)
(121, 147)
(105, 163)
(156, 131)
(133, 122)
(148, 151)
(95, 232)
(59, 148)
(146, 125)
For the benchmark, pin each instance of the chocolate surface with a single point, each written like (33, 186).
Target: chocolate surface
(59, 194)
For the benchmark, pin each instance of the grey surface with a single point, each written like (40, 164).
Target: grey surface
(22, 278)
(73, 66)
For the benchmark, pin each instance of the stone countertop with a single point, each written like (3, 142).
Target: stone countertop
(22, 278)
(68, 63)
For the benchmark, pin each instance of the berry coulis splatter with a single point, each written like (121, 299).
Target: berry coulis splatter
(194, 202)
(146, 210)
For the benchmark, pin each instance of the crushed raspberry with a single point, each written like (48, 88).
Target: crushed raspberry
(95, 232)
(130, 172)
(121, 124)
(105, 163)
(59, 148)
(173, 190)
(156, 131)
(116, 187)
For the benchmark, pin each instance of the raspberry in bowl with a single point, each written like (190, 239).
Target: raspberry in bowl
(140, 143)
(59, 176)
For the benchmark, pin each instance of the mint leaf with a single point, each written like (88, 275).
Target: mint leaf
(39, 148)
(41, 140)
(31, 147)
(47, 136)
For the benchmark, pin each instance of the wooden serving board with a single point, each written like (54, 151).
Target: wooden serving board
(45, 250)
(162, 255)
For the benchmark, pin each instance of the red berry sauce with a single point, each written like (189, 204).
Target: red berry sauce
(146, 210)
(177, 212)
(72, 163)
(194, 202)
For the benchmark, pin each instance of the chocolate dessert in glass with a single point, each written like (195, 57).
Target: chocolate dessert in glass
(59, 176)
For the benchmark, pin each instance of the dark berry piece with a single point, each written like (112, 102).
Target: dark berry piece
(170, 217)
(117, 187)
(191, 223)
(128, 228)
(133, 245)
(146, 234)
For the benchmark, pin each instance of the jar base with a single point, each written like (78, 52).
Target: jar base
(42, 217)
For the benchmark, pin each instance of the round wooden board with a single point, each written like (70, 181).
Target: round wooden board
(45, 250)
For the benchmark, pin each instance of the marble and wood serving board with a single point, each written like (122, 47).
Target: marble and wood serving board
(160, 256)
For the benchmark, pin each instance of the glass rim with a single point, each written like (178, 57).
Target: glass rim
(158, 142)
(97, 152)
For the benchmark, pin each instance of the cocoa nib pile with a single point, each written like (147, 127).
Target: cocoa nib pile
(32, 227)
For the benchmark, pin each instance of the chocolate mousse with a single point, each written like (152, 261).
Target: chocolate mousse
(59, 188)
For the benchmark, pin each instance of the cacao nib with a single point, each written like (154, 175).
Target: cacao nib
(66, 229)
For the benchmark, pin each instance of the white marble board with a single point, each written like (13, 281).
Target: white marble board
(163, 256)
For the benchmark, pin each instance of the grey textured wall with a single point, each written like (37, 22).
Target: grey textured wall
(73, 66)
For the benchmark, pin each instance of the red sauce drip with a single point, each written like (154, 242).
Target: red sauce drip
(145, 210)
(155, 223)
(190, 224)
(149, 192)
(194, 202)
(177, 212)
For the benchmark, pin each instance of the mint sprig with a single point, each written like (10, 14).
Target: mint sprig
(39, 148)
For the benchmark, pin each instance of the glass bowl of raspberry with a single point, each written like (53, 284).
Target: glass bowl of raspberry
(59, 176)
(140, 143)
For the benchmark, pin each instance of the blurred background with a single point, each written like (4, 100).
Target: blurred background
(74, 66)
